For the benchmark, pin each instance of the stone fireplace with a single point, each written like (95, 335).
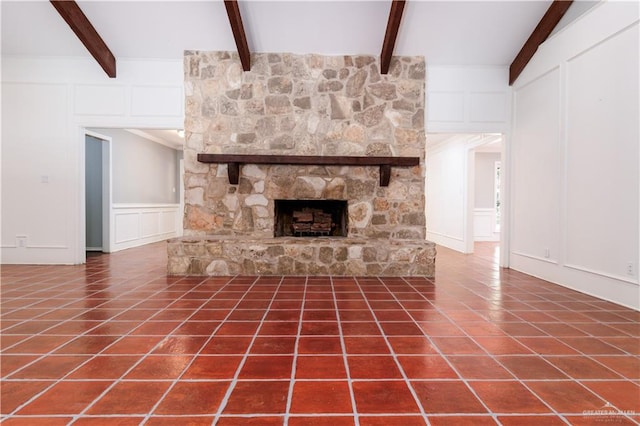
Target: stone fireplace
(303, 218)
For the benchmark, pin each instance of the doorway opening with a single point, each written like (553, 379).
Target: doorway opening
(97, 191)
(464, 181)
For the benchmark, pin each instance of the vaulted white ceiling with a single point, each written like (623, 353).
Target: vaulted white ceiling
(483, 33)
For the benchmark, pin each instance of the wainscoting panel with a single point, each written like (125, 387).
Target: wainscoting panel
(139, 224)
(483, 225)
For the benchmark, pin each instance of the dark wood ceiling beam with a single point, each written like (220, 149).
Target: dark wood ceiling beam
(546, 25)
(81, 26)
(233, 12)
(393, 25)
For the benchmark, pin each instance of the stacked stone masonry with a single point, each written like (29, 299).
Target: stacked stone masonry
(301, 105)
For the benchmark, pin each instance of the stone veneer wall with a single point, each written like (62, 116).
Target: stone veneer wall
(302, 105)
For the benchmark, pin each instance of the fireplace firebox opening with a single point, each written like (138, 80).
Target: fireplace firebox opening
(311, 218)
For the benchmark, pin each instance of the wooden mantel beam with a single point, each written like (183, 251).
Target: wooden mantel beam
(546, 25)
(393, 24)
(233, 12)
(81, 26)
(234, 161)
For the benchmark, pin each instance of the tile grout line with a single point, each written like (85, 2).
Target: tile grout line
(554, 336)
(234, 380)
(73, 318)
(406, 380)
(145, 356)
(493, 357)
(59, 380)
(345, 360)
(442, 354)
(295, 354)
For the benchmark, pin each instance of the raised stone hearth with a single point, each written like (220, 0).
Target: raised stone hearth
(293, 256)
(302, 105)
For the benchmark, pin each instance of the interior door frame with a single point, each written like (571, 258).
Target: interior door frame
(107, 198)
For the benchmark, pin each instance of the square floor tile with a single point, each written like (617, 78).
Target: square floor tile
(193, 398)
(319, 345)
(181, 420)
(530, 367)
(592, 346)
(383, 397)
(239, 328)
(213, 367)
(624, 395)
(10, 363)
(133, 345)
(15, 393)
(479, 367)
(397, 420)
(426, 367)
(159, 367)
(508, 397)
(457, 346)
(156, 328)
(42, 421)
(227, 345)
(320, 367)
(323, 420)
(105, 367)
(39, 345)
(258, 397)
(447, 397)
(532, 420)
(579, 367)
(266, 367)
(180, 345)
(401, 329)
(547, 346)
(469, 420)
(130, 398)
(50, 367)
(366, 345)
(321, 397)
(373, 367)
(263, 420)
(404, 345)
(626, 366)
(320, 328)
(502, 345)
(360, 329)
(269, 345)
(278, 328)
(565, 396)
(66, 398)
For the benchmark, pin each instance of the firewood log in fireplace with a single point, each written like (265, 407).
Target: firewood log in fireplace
(312, 221)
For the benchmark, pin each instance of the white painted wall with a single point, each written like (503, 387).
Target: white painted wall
(485, 194)
(144, 171)
(484, 212)
(467, 99)
(445, 194)
(575, 157)
(46, 104)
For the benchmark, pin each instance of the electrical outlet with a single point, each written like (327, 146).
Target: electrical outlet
(21, 241)
(630, 268)
(547, 253)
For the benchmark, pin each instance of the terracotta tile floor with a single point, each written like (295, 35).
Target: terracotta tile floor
(116, 341)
